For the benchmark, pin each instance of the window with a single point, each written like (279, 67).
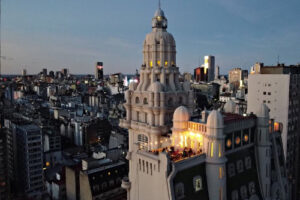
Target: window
(244, 192)
(140, 165)
(212, 149)
(151, 64)
(228, 143)
(248, 163)
(197, 182)
(137, 116)
(221, 172)
(237, 140)
(143, 141)
(145, 101)
(166, 63)
(137, 100)
(231, 169)
(220, 150)
(269, 93)
(158, 63)
(264, 93)
(239, 166)
(179, 191)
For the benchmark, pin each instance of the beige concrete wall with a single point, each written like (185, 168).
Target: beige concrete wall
(70, 184)
(85, 189)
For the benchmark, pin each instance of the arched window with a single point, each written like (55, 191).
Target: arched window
(137, 100)
(145, 101)
(143, 141)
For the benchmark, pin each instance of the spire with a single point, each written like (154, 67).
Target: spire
(159, 4)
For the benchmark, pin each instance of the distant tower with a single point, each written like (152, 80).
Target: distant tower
(217, 74)
(209, 64)
(216, 160)
(99, 71)
(263, 149)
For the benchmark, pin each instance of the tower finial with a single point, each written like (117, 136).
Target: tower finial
(159, 4)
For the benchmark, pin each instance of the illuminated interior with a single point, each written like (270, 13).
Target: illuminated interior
(183, 145)
(158, 63)
(166, 63)
(151, 63)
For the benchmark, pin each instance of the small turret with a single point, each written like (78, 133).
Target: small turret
(229, 107)
(215, 159)
(263, 150)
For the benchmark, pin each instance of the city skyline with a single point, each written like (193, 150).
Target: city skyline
(71, 35)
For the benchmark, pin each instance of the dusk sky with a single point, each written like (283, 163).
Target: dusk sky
(75, 34)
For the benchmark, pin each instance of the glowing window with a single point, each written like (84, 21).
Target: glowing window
(220, 172)
(212, 150)
(238, 140)
(158, 62)
(220, 150)
(246, 138)
(228, 143)
(151, 63)
(108, 173)
(166, 63)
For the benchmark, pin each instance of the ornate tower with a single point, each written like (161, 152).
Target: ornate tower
(151, 103)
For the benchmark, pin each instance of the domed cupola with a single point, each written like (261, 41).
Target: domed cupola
(159, 20)
(159, 45)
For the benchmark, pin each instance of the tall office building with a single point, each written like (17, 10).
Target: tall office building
(200, 74)
(236, 75)
(99, 71)
(278, 87)
(217, 73)
(209, 64)
(29, 160)
(221, 155)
